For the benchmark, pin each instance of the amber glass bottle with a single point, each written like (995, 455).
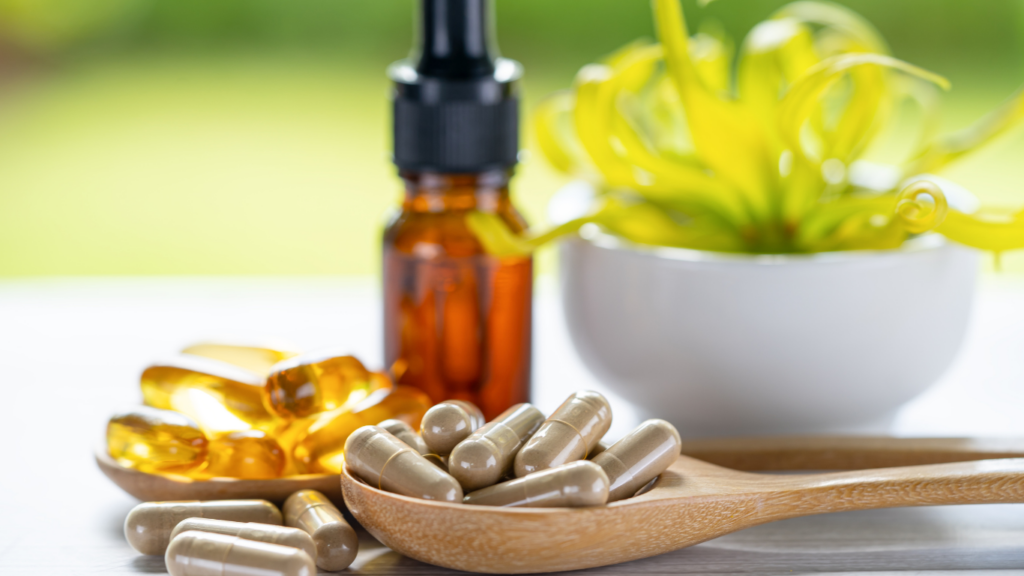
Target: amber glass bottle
(457, 321)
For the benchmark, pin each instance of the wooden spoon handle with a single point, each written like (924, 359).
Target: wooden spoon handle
(983, 482)
(846, 452)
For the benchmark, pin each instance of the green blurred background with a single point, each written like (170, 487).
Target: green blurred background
(251, 136)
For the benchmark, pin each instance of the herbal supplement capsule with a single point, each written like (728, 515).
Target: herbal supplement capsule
(639, 457)
(154, 440)
(407, 434)
(256, 359)
(598, 448)
(320, 447)
(317, 382)
(487, 454)
(148, 526)
(210, 554)
(572, 485)
(448, 423)
(336, 542)
(247, 454)
(218, 396)
(381, 460)
(268, 533)
(567, 435)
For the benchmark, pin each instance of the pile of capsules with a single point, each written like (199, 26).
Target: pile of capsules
(245, 537)
(518, 459)
(250, 412)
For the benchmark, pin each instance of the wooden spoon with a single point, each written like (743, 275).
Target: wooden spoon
(692, 502)
(160, 487)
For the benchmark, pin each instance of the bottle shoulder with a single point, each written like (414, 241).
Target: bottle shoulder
(446, 232)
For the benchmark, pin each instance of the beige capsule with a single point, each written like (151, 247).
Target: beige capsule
(574, 485)
(148, 526)
(448, 423)
(639, 457)
(407, 434)
(336, 542)
(196, 553)
(270, 533)
(598, 448)
(569, 434)
(383, 461)
(484, 457)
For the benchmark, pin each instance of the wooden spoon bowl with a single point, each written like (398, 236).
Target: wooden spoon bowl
(692, 502)
(161, 487)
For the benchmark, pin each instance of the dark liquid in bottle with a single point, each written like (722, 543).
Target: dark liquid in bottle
(457, 321)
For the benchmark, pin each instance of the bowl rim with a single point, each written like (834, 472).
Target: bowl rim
(598, 238)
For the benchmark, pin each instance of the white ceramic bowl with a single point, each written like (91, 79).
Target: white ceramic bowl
(729, 345)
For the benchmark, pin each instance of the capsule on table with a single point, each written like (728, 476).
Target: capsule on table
(448, 423)
(218, 396)
(336, 542)
(148, 526)
(567, 435)
(639, 457)
(268, 533)
(574, 485)
(408, 435)
(316, 382)
(487, 454)
(247, 454)
(319, 441)
(383, 461)
(256, 359)
(153, 440)
(196, 553)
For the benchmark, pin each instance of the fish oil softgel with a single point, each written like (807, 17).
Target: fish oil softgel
(247, 454)
(320, 447)
(484, 457)
(576, 484)
(148, 526)
(153, 440)
(218, 396)
(639, 457)
(210, 554)
(569, 434)
(381, 460)
(336, 542)
(311, 383)
(448, 423)
(269, 533)
(256, 359)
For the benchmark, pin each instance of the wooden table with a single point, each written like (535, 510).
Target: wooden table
(71, 352)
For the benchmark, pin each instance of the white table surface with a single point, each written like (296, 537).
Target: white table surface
(71, 351)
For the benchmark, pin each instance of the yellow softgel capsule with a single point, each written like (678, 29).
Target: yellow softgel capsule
(153, 440)
(321, 444)
(218, 396)
(257, 359)
(196, 553)
(246, 454)
(317, 382)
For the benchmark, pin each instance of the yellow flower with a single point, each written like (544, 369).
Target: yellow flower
(768, 164)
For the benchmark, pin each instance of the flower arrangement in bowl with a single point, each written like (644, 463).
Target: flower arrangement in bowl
(751, 270)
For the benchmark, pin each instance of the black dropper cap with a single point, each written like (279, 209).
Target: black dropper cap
(456, 103)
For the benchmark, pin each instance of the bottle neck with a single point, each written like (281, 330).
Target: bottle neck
(435, 192)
